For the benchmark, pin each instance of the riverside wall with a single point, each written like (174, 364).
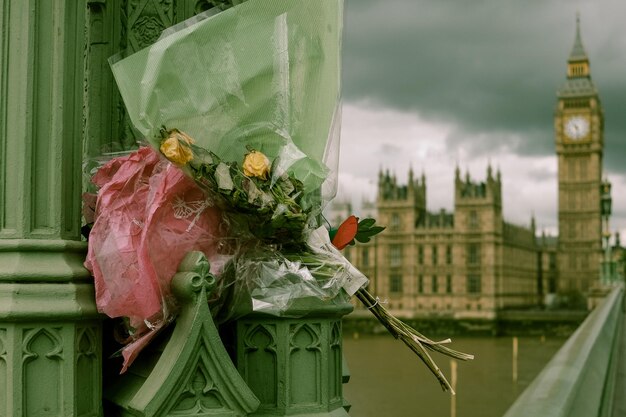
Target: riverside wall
(506, 323)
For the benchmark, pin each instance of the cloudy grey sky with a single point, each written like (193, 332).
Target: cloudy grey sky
(432, 83)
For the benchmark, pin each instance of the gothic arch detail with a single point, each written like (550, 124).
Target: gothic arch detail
(42, 350)
(87, 373)
(305, 358)
(260, 355)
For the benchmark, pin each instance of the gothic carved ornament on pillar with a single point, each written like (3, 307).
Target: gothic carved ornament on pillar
(50, 337)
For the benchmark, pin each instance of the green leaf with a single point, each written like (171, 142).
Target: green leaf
(366, 223)
(374, 230)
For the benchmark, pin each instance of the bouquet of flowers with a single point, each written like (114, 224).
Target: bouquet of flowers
(245, 102)
(269, 219)
(272, 210)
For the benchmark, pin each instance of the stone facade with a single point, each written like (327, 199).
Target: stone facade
(466, 264)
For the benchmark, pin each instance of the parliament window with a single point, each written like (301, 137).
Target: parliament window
(473, 219)
(473, 284)
(435, 284)
(420, 284)
(571, 172)
(395, 283)
(395, 221)
(552, 261)
(583, 168)
(449, 255)
(395, 255)
(449, 284)
(570, 104)
(435, 255)
(473, 254)
(420, 255)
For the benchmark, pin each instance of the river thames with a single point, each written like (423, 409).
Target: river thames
(388, 380)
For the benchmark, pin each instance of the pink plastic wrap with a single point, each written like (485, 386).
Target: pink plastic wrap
(149, 215)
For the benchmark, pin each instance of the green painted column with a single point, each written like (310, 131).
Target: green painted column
(294, 365)
(50, 334)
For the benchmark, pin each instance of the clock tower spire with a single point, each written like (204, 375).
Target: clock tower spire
(578, 62)
(579, 139)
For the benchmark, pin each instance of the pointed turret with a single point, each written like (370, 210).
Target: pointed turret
(578, 61)
(578, 51)
(578, 84)
(457, 180)
(407, 201)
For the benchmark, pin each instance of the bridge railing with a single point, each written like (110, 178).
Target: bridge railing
(578, 380)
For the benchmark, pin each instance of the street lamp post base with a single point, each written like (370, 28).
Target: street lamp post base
(294, 366)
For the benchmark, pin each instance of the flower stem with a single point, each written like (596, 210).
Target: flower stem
(417, 342)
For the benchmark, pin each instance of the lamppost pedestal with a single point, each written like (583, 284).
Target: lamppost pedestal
(294, 365)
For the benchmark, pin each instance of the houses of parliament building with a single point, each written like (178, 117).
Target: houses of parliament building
(471, 262)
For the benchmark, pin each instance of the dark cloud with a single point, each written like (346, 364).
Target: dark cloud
(491, 68)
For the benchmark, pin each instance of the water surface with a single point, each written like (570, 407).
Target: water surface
(388, 380)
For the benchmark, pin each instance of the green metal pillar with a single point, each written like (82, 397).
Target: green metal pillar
(294, 365)
(50, 334)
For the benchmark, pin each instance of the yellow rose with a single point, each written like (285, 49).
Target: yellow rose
(176, 147)
(255, 164)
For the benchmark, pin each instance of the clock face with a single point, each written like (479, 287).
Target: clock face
(576, 127)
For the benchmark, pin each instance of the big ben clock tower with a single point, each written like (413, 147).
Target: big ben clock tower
(579, 130)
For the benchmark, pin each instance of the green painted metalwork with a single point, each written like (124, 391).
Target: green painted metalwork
(578, 381)
(193, 374)
(50, 333)
(122, 26)
(294, 365)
